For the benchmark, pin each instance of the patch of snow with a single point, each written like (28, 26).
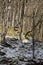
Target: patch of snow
(27, 41)
(9, 36)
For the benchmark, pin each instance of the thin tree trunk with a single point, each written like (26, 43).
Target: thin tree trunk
(33, 33)
(22, 15)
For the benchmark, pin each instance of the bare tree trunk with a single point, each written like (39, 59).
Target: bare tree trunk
(22, 15)
(33, 33)
(3, 20)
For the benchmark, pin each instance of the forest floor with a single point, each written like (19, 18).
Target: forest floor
(15, 52)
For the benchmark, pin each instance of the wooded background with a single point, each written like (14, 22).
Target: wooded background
(17, 17)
